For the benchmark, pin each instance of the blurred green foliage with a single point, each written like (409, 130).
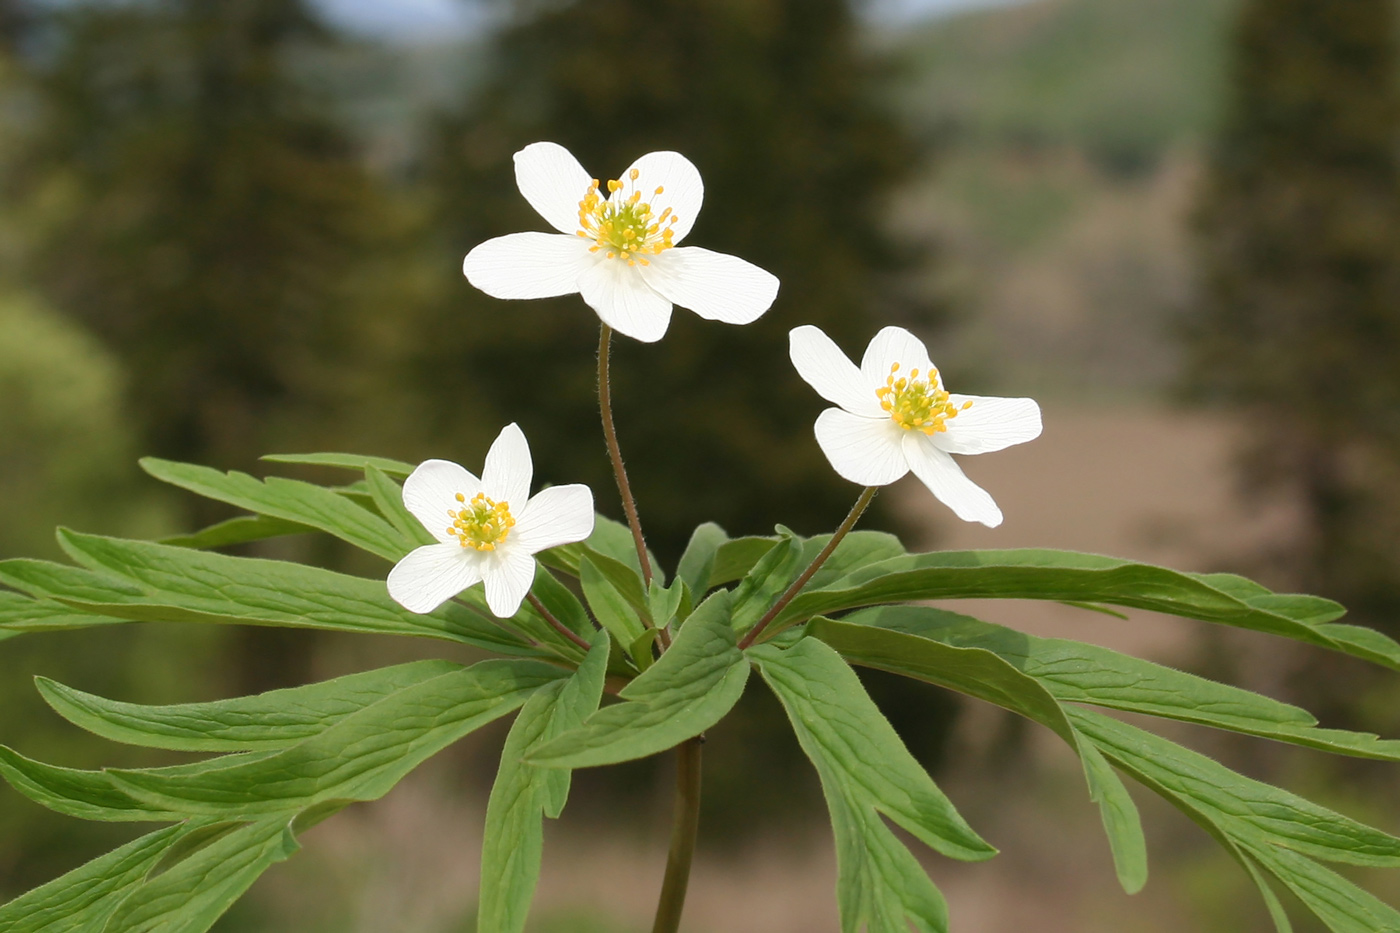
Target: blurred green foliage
(202, 214)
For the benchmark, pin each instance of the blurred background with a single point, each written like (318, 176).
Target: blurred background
(233, 227)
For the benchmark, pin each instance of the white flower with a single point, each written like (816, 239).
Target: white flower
(895, 416)
(487, 529)
(617, 246)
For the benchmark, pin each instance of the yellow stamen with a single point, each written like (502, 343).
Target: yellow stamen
(624, 227)
(481, 524)
(918, 404)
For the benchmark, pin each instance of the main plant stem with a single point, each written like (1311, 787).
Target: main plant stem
(683, 833)
(861, 504)
(629, 505)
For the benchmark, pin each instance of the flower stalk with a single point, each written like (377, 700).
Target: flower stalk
(857, 510)
(624, 488)
(559, 627)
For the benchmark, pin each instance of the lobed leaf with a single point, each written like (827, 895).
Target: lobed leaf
(20, 613)
(388, 500)
(866, 771)
(612, 610)
(92, 795)
(763, 584)
(240, 530)
(735, 558)
(693, 685)
(980, 673)
(143, 581)
(83, 899)
(192, 895)
(361, 757)
(1246, 810)
(698, 559)
(1070, 577)
(1079, 673)
(346, 461)
(288, 499)
(522, 794)
(273, 720)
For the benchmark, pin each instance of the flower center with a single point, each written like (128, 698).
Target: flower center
(481, 523)
(625, 227)
(917, 404)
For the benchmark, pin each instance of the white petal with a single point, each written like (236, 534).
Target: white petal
(894, 345)
(715, 286)
(862, 450)
(990, 424)
(431, 490)
(553, 182)
(431, 575)
(683, 191)
(825, 368)
(946, 480)
(508, 470)
(558, 515)
(624, 301)
(509, 575)
(529, 265)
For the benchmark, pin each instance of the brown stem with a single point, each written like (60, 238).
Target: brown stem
(629, 505)
(861, 504)
(559, 626)
(683, 835)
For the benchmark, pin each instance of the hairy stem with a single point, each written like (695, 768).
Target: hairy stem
(629, 505)
(683, 833)
(861, 504)
(560, 627)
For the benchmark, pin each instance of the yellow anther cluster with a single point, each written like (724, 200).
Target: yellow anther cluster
(625, 227)
(481, 523)
(917, 404)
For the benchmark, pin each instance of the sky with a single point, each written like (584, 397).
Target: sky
(418, 19)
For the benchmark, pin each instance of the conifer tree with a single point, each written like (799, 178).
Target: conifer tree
(1300, 245)
(204, 214)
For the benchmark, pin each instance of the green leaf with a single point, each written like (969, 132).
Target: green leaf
(1246, 810)
(762, 585)
(83, 899)
(612, 610)
(91, 795)
(239, 530)
(867, 772)
(1078, 673)
(1067, 576)
(362, 756)
(664, 602)
(19, 614)
(858, 549)
(735, 558)
(698, 559)
(522, 794)
(192, 895)
(347, 461)
(985, 675)
(154, 582)
(388, 499)
(288, 499)
(693, 685)
(610, 539)
(1343, 906)
(272, 720)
